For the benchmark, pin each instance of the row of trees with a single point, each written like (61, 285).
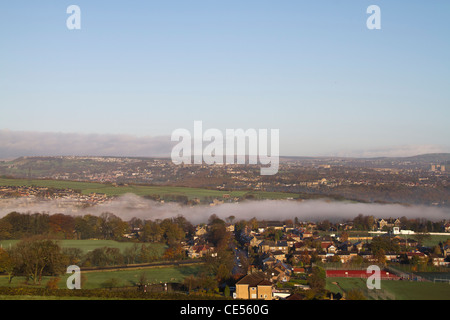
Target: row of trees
(39, 256)
(368, 223)
(36, 255)
(109, 256)
(109, 226)
(17, 225)
(105, 226)
(33, 258)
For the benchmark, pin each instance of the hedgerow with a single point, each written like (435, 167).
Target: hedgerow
(104, 293)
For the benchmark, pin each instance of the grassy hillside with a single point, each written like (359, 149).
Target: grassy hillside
(89, 245)
(402, 290)
(141, 190)
(123, 278)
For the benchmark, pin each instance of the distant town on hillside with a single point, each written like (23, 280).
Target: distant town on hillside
(416, 180)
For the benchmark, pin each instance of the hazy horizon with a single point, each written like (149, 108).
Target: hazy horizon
(15, 144)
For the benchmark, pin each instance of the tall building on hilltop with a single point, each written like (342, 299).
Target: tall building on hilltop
(437, 167)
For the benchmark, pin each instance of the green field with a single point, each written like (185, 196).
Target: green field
(131, 277)
(142, 190)
(435, 239)
(95, 279)
(401, 290)
(89, 245)
(125, 278)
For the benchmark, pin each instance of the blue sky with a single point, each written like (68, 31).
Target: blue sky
(309, 68)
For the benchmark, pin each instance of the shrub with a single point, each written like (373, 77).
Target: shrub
(53, 283)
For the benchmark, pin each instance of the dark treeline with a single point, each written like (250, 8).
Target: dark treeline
(370, 223)
(39, 253)
(40, 256)
(167, 234)
(107, 226)
(171, 231)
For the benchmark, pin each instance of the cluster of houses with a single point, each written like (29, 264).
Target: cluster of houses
(32, 194)
(275, 260)
(198, 247)
(279, 260)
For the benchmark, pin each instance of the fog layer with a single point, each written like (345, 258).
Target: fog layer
(130, 205)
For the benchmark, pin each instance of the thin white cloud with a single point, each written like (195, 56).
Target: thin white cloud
(15, 144)
(396, 151)
(22, 143)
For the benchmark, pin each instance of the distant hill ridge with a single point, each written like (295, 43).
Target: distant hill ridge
(428, 157)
